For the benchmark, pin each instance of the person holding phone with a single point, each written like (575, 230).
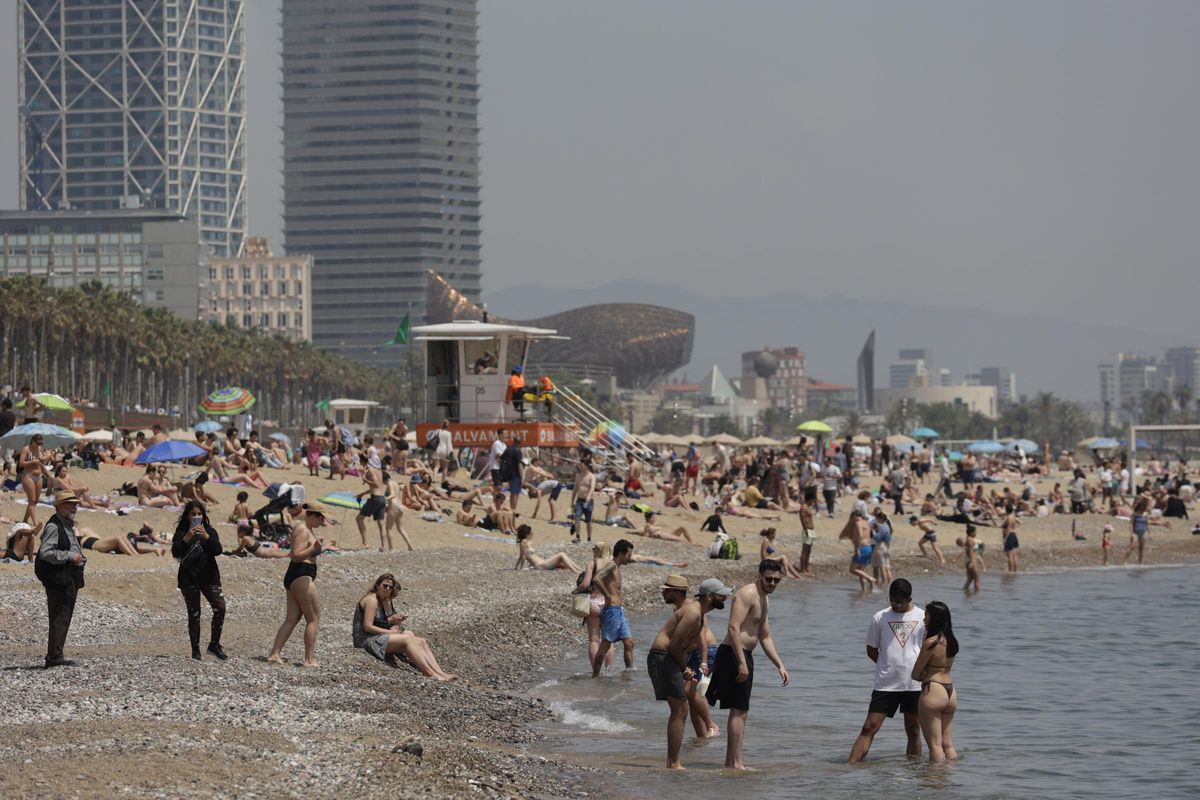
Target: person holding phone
(196, 547)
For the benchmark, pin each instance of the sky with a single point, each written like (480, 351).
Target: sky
(1023, 156)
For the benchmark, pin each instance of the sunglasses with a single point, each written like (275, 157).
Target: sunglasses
(772, 580)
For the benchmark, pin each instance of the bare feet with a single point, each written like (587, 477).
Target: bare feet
(275, 659)
(309, 663)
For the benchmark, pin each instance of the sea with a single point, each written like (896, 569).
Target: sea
(1076, 683)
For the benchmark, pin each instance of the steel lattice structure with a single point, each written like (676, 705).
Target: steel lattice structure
(138, 99)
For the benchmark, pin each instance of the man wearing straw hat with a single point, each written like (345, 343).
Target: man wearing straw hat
(59, 566)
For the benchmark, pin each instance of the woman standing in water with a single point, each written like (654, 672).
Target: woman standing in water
(935, 709)
(974, 562)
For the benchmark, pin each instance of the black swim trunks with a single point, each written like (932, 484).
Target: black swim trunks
(375, 507)
(724, 686)
(298, 569)
(1010, 542)
(665, 675)
(888, 702)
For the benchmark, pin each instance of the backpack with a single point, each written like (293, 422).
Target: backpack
(724, 547)
(431, 439)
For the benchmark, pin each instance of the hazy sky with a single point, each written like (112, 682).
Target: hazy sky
(1030, 156)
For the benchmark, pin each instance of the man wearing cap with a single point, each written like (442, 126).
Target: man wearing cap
(59, 566)
(666, 663)
(734, 666)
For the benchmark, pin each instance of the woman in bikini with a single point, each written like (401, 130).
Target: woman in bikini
(62, 480)
(935, 709)
(525, 554)
(766, 549)
(601, 555)
(89, 540)
(299, 582)
(379, 630)
(974, 563)
(33, 472)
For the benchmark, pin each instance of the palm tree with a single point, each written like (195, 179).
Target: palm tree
(852, 423)
(1183, 398)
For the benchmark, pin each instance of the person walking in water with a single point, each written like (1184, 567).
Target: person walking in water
(935, 709)
(614, 627)
(734, 664)
(893, 642)
(666, 663)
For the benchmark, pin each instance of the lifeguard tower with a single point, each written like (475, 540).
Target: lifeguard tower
(467, 366)
(353, 415)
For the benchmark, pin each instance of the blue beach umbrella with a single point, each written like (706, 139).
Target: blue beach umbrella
(1142, 443)
(52, 436)
(924, 433)
(1104, 444)
(280, 437)
(170, 450)
(1025, 444)
(985, 446)
(208, 426)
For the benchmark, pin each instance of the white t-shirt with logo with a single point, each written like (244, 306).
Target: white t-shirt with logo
(498, 448)
(898, 637)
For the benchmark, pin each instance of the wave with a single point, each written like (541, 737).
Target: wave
(569, 715)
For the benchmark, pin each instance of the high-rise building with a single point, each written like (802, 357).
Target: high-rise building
(787, 387)
(1124, 382)
(912, 369)
(381, 160)
(135, 104)
(866, 375)
(1183, 366)
(1004, 381)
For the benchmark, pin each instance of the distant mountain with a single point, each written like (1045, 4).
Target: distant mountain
(1045, 353)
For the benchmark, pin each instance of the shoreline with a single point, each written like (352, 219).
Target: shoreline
(244, 727)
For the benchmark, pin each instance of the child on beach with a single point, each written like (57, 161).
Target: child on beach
(241, 512)
(1106, 543)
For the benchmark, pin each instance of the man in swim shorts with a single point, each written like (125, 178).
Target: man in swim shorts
(894, 640)
(733, 676)
(928, 529)
(666, 663)
(614, 627)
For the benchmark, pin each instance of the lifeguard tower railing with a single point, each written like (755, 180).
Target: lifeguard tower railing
(597, 432)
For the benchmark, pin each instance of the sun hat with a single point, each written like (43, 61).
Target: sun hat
(714, 586)
(313, 507)
(65, 496)
(675, 582)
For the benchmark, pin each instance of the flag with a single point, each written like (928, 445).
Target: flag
(401, 336)
(323, 405)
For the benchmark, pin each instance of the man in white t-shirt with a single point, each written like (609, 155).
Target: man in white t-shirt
(894, 640)
(831, 476)
(494, 454)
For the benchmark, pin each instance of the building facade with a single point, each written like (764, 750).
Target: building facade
(1124, 381)
(1002, 378)
(1182, 365)
(912, 369)
(976, 398)
(787, 389)
(155, 258)
(262, 291)
(865, 374)
(381, 160)
(129, 104)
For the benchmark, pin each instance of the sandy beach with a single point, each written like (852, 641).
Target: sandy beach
(137, 717)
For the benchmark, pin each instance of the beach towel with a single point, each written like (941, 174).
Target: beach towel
(342, 500)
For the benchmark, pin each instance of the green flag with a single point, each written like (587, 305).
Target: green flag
(401, 336)
(323, 405)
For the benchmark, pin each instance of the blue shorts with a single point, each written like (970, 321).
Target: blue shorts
(693, 660)
(613, 625)
(863, 557)
(583, 510)
(514, 487)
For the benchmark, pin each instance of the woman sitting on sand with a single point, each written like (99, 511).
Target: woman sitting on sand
(766, 549)
(150, 494)
(379, 630)
(250, 473)
(62, 480)
(652, 531)
(249, 545)
(525, 554)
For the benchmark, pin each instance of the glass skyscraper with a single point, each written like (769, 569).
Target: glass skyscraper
(381, 160)
(135, 104)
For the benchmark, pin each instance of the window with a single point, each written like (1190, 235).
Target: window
(482, 357)
(265, 320)
(299, 288)
(265, 288)
(247, 320)
(283, 288)
(246, 273)
(154, 274)
(159, 295)
(229, 273)
(247, 289)
(283, 319)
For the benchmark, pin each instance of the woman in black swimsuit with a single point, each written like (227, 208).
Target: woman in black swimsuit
(379, 630)
(935, 709)
(299, 583)
(196, 546)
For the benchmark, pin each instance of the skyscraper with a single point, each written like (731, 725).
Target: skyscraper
(866, 375)
(135, 104)
(381, 160)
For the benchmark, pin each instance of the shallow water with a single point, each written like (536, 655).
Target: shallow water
(1071, 684)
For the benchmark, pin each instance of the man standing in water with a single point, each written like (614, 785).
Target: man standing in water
(894, 640)
(733, 669)
(666, 663)
(614, 627)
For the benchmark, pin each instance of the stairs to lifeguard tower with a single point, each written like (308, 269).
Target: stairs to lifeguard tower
(608, 439)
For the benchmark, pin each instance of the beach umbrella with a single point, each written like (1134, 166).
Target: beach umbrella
(52, 436)
(227, 400)
(608, 433)
(650, 437)
(985, 446)
(53, 402)
(1101, 443)
(1142, 443)
(1025, 444)
(97, 436)
(1084, 444)
(899, 438)
(761, 441)
(182, 435)
(861, 438)
(924, 433)
(280, 437)
(170, 451)
(674, 441)
(207, 426)
(813, 426)
(724, 438)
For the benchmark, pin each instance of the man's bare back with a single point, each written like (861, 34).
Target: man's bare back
(609, 578)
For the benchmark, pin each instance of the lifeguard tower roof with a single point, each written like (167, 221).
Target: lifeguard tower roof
(468, 329)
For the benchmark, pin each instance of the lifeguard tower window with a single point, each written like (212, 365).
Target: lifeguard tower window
(517, 350)
(482, 356)
(442, 380)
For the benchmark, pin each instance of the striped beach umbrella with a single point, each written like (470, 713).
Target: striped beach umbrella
(227, 400)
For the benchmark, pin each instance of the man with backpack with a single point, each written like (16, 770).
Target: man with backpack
(511, 467)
